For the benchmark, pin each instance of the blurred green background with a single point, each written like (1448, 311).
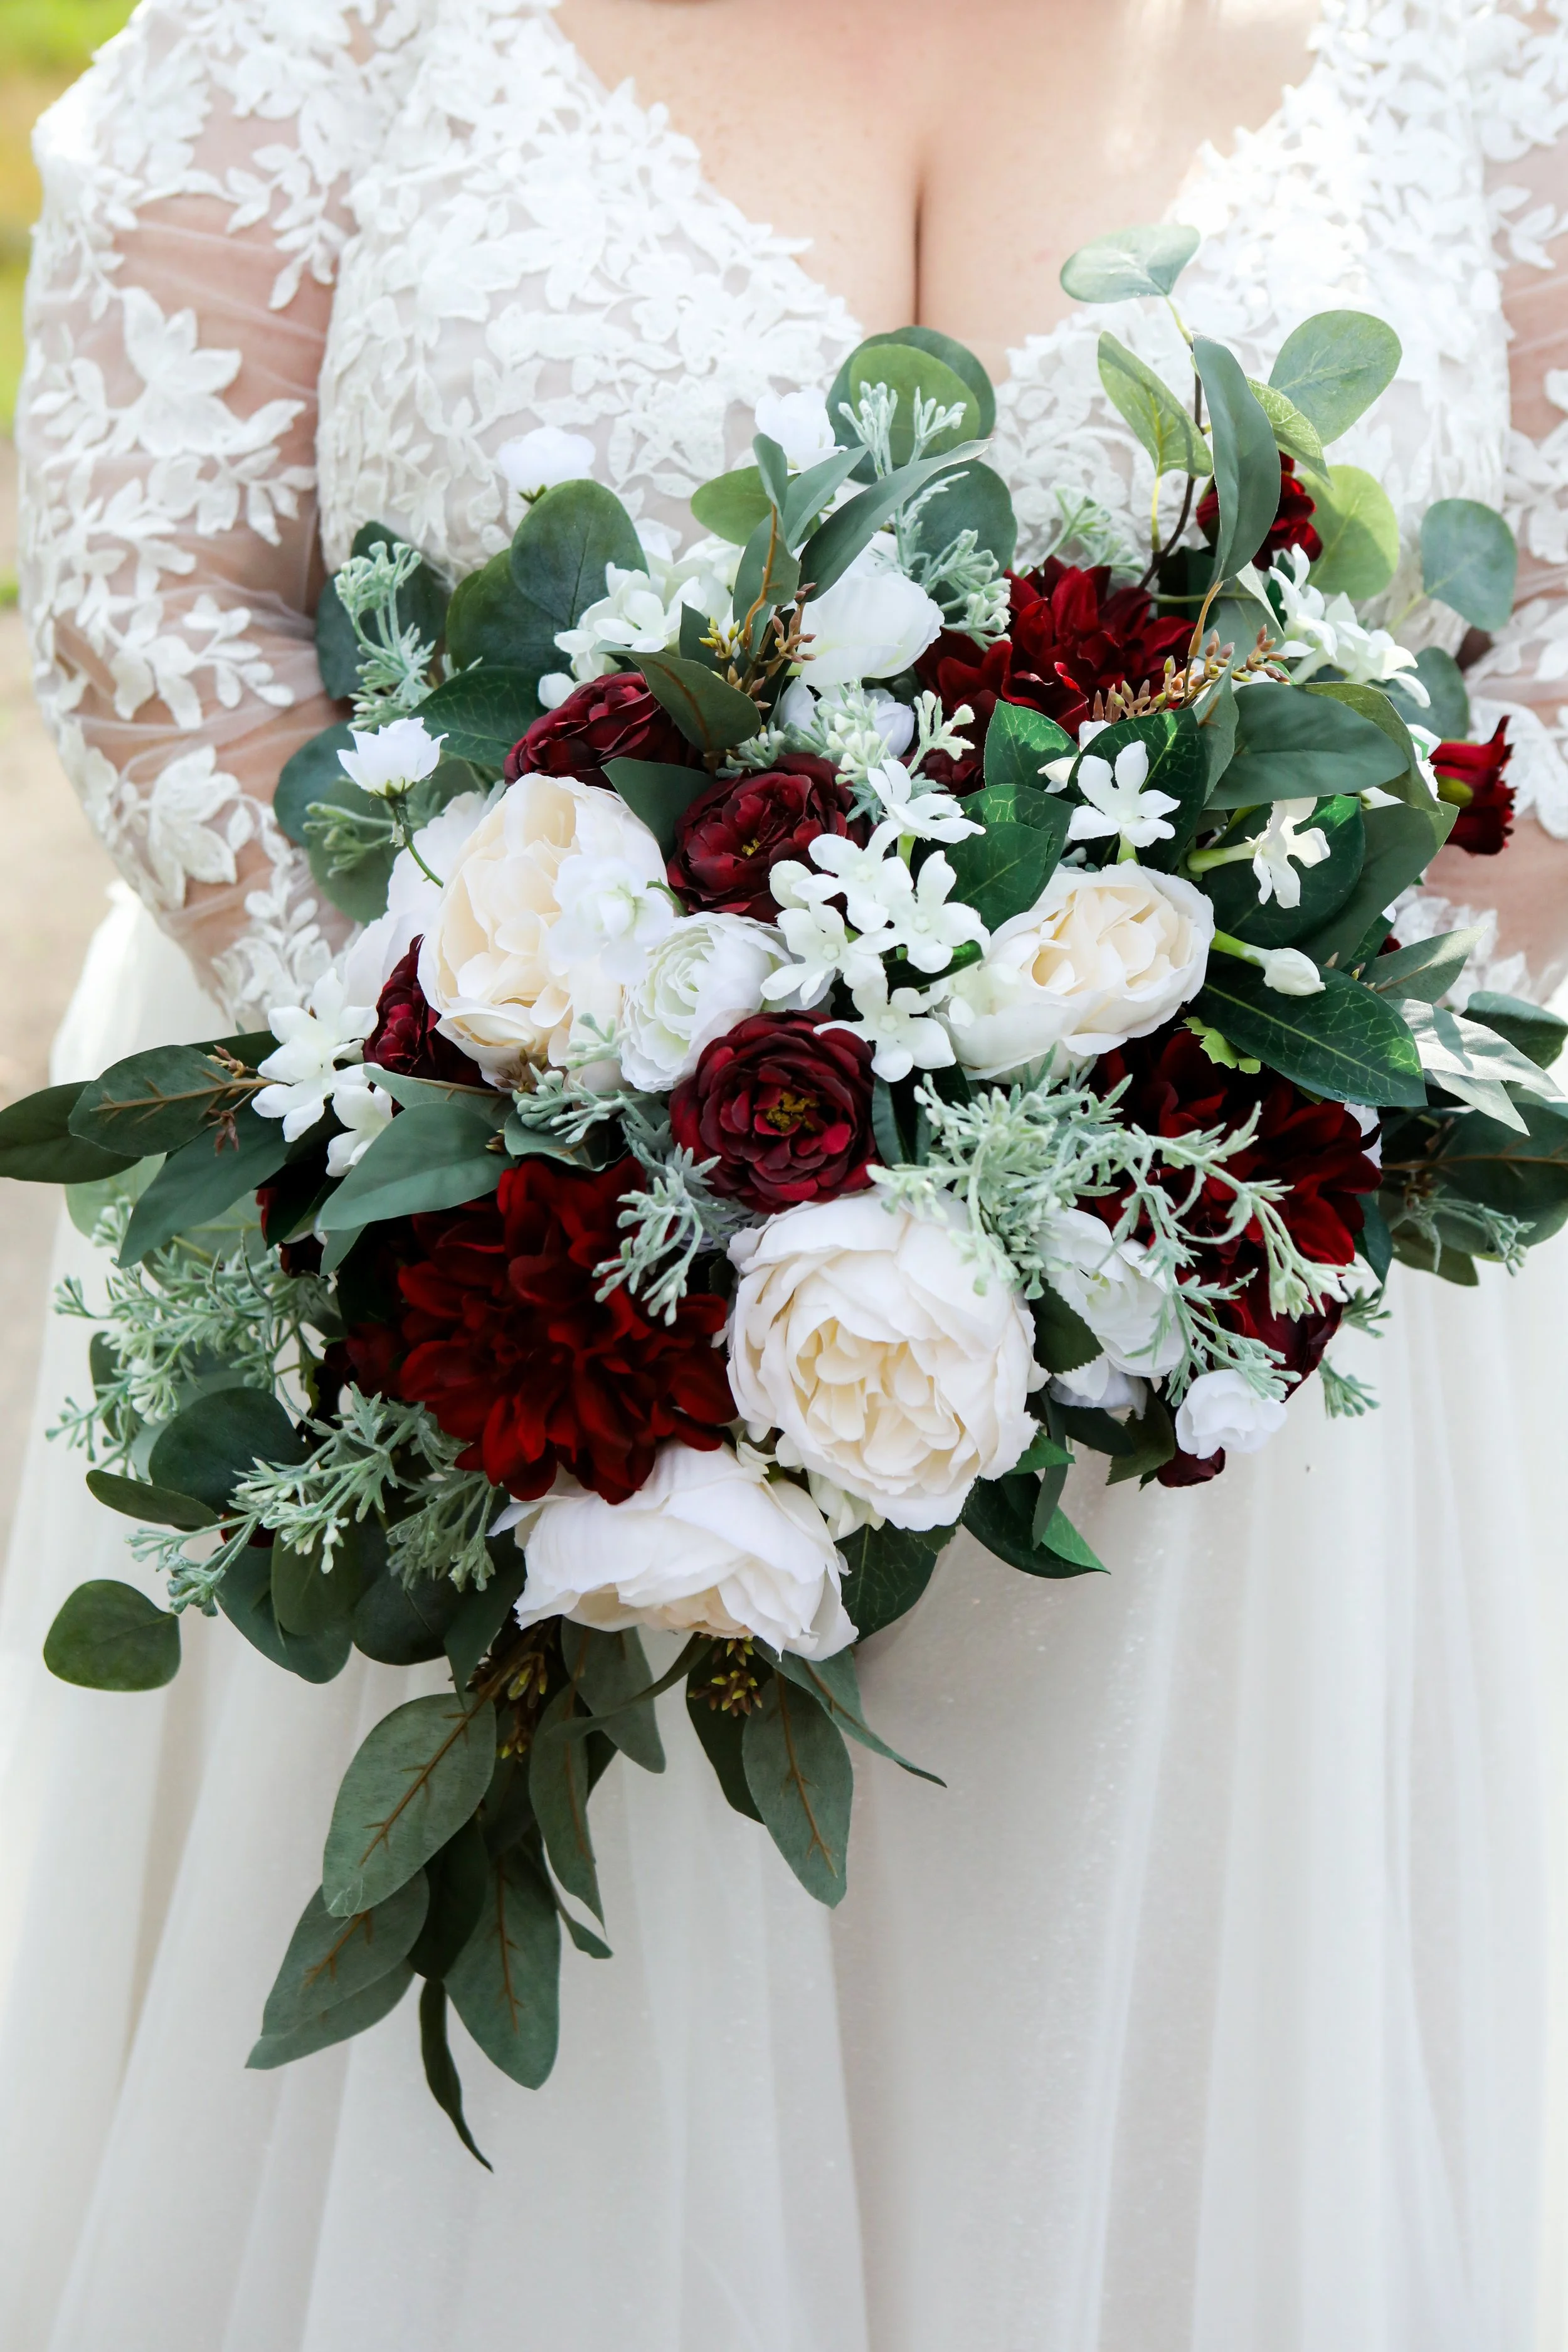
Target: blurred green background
(44, 44)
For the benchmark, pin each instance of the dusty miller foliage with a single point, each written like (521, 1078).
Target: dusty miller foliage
(394, 663)
(1013, 1160)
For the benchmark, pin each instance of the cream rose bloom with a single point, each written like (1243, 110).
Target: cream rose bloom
(1100, 958)
(860, 1337)
(506, 991)
(710, 1544)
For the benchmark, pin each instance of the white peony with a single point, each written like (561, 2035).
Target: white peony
(872, 622)
(491, 966)
(1100, 958)
(539, 460)
(1221, 1412)
(371, 959)
(859, 1335)
(1107, 1282)
(703, 978)
(799, 422)
(710, 1544)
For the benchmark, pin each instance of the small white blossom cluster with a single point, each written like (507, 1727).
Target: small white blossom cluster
(1320, 631)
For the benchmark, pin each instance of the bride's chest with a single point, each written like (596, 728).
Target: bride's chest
(532, 248)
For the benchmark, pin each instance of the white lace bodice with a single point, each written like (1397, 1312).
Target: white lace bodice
(311, 262)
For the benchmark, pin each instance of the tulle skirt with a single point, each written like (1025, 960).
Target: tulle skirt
(1208, 2009)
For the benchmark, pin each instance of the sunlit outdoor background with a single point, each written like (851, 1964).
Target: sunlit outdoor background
(53, 875)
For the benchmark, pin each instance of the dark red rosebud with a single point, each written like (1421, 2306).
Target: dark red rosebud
(1071, 636)
(613, 718)
(1190, 1469)
(513, 1350)
(1471, 776)
(406, 1038)
(784, 1106)
(729, 840)
(1292, 525)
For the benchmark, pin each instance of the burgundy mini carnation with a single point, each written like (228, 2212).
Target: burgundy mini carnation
(1292, 525)
(731, 837)
(406, 1039)
(1071, 636)
(613, 718)
(1486, 813)
(512, 1349)
(785, 1107)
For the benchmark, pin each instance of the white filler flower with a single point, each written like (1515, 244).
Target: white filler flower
(703, 977)
(310, 1041)
(1220, 1412)
(859, 1335)
(799, 422)
(710, 1544)
(538, 460)
(1118, 801)
(392, 759)
(1281, 848)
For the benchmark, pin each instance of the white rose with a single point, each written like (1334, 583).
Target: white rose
(1221, 1412)
(1101, 1384)
(1102, 957)
(538, 460)
(872, 622)
(702, 978)
(799, 422)
(861, 1337)
(412, 899)
(1105, 1282)
(710, 1544)
(390, 759)
(491, 966)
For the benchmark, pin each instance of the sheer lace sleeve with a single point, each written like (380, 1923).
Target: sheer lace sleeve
(195, 205)
(1521, 85)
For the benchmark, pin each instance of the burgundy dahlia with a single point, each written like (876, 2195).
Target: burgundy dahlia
(731, 837)
(512, 1348)
(785, 1107)
(1473, 775)
(1070, 637)
(613, 718)
(1292, 525)
(406, 1038)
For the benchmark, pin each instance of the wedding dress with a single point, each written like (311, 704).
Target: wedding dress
(1209, 2008)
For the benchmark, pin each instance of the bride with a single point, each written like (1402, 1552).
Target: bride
(1208, 2010)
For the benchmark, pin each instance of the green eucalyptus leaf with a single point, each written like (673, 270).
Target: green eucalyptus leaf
(733, 505)
(887, 1569)
(816, 489)
(154, 1102)
(441, 2075)
(1169, 435)
(1536, 1032)
(658, 792)
(560, 554)
(328, 1960)
(357, 886)
(709, 711)
(1245, 461)
(803, 1784)
(488, 621)
(1469, 561)
(1345, 1042)
(506, 1985)
(38, 1146)
(477, 1622)
(110, 1637)
(482, 713)
(340, 2022)
(610, 1670)
(1401, 843)
(154, 1506)
(197, 1184)
(850, 528)
(1522, 1171)
(416, 1779)
(1290, 745)
(1370, 703)
(975, 499)
(767, 577)
(836, 1686)
(912, 375)
(1129, 262)
(721, 1736)
(436, 1158)
(310, 775)
(403, 1625)
(459, 1876)
(1354, 518)
(1334, 365)
(215, 1443)
(1427, 970)
(1294, 433)
(1448, 711)
(559, 1788)
(309, 1598)
(244, 1596)
(953, 355)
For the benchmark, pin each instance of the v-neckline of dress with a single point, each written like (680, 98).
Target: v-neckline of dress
(1208, 164)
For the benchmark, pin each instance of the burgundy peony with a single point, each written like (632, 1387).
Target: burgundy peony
(406, 1038)
(1472, 775)
(512, 1348)
(733, 835)
(613, 718)
(784, 1106)
(1292, 525)
(1070, 637)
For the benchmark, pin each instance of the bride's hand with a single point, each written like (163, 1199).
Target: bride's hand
(1528, 885)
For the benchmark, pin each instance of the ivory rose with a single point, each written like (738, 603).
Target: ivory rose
(1100, 957)
(506, 991)
(1223, 1413)
(860, 1337)
(710, 1544)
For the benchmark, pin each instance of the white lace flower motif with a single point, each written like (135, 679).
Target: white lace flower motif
(312, 1039)
(1118, 801)
(1281, 849)
(392, 759)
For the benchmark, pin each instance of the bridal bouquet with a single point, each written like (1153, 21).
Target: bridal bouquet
(838, 1026)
